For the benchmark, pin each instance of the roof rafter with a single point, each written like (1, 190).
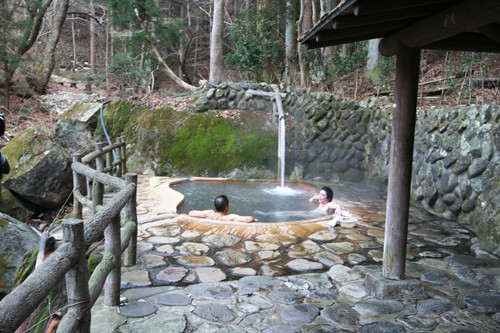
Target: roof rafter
(462, 17)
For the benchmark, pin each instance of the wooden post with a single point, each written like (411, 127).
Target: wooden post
(402, 138)
(78, 317)
(98, 188)
(112, 245)
(124, 155)
(77, 186)
(109, 162)
(131, 215)
(119, 172)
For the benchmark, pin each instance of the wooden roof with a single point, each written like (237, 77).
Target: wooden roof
(459, 25)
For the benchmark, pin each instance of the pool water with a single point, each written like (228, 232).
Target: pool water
(265, 201)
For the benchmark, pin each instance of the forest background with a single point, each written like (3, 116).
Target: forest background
(166, 47)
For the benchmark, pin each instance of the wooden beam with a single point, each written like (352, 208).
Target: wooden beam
(381, 28)
(312, 44)
(473, 42)
(372, 7)
(464, 16)
(402, 137)
(350, 21)
(492, 31)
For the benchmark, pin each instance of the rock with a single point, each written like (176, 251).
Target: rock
(379, 307)
(434, 307)
(218, 291)
(208, 274)
(135, 279)
(285, 295)
(281, 328)
(172, 274)
(485, 301)
(221, 240)
(303, 265)
(233, 257)
(255, 283)
(40, 169)
(174, 299)
(299, 313)
(16, 238)
(384, 326)
(196, 261)
(214, 312)
(340, 314)
(138, 309)
(162, 323)
(74, 136)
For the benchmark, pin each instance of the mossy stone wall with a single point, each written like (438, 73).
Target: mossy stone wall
(456, 167)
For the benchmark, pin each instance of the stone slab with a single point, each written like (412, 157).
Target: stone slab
(382, 288)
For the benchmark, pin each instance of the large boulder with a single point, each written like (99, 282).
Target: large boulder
(16, 238)
(40, 169)
(73, 131)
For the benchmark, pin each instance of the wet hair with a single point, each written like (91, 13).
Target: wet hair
(220, 203)
(329, 193)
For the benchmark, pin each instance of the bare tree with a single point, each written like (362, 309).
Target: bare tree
(216, 44)
(20, 25)
(45, 69)
(290, 40)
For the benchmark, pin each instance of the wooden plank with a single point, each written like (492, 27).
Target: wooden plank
(465, 16)
(402, 137)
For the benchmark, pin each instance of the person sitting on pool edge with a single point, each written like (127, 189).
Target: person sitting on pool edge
(326, 205)
(221, 204)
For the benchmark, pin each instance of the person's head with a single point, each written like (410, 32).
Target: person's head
(326, 193)
(220, 203)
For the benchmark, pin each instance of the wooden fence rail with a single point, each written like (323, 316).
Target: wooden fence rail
(69, 261)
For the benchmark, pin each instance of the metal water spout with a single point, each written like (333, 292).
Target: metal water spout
(277, 111)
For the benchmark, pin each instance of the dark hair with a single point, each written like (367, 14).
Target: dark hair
(220, 203)
(329, 193)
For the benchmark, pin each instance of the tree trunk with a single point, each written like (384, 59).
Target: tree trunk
(304, 24)
(372, 58)
(73, 68)
(290, 41)
(216, 44)
(47, 66)
(92, 38)
(160, 59)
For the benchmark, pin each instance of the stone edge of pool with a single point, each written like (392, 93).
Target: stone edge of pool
(177, 198)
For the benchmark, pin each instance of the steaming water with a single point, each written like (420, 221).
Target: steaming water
(264, 201)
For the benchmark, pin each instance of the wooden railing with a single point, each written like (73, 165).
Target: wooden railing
(69, 260)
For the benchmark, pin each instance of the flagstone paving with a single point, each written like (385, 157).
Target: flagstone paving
(204, 276)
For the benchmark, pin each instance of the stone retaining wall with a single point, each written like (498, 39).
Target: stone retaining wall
(456, 159)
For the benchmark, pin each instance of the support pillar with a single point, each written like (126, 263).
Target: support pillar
(402, 139)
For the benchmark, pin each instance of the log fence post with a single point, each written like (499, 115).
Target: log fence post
(98, 188)
(124, 155)
(119, 171)
(130, 257)
(112, 245)
(77, 319)
(78, 184)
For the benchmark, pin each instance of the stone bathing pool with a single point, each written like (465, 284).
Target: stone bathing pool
(281, 248)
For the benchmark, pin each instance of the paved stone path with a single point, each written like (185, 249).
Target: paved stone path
(201, 276)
